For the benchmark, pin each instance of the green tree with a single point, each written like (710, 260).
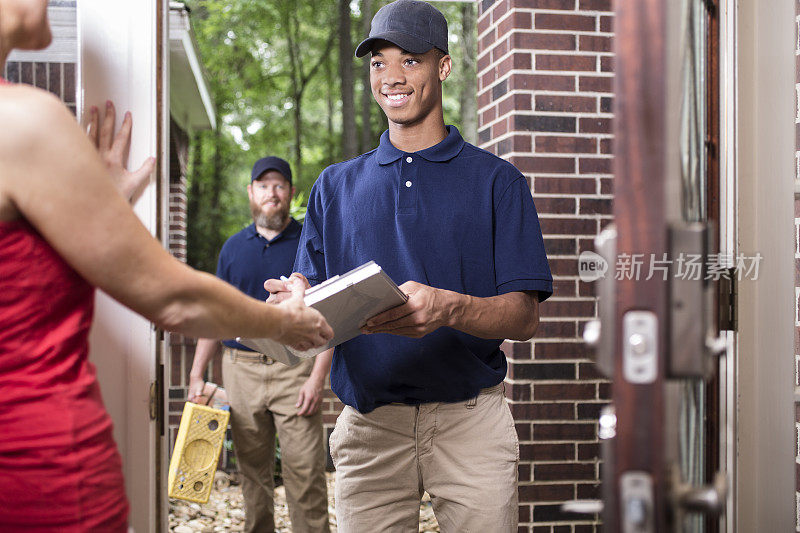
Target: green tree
(276, 81)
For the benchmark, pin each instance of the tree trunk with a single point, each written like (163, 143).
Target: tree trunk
(367, 140)
(349, 135)
(329, 142)
(469, 89)
(298, 145)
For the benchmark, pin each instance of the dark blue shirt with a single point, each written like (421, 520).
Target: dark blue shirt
(248, 259)
(451, 216)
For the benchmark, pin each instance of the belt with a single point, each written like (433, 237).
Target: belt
(253, 357)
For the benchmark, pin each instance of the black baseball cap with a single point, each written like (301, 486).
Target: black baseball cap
(271, 163)
(412, 25)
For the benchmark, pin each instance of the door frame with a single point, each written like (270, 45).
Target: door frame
(764, 170)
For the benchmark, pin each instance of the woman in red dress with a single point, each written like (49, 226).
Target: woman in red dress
(66, 228)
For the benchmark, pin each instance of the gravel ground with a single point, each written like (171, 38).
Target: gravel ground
(225, 511)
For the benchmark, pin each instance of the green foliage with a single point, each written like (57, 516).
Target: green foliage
(246, 50)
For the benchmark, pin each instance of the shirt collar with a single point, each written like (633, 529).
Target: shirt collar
(446, 150)
(292, 230)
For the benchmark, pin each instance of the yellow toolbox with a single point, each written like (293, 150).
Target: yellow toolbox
(196, 454)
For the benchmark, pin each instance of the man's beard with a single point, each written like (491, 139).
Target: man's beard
(275, 221)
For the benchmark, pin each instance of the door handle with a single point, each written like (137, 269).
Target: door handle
(707, 499)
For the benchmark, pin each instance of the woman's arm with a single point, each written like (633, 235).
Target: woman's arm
(55, 179)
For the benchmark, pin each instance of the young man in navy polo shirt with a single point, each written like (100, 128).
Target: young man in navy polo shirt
(265, 395)
(423, 387)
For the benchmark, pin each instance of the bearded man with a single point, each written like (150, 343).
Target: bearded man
(266, 396)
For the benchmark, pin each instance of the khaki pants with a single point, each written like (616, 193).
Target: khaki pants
(263, 398)
(464, 454)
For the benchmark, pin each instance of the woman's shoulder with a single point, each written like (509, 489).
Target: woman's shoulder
(29, 114)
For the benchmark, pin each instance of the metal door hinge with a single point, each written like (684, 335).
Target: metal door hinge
(728, 321)
(154, 400)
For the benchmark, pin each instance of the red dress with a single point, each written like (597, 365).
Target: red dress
(59, 465)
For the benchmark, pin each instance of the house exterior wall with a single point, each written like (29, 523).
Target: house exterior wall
(545, 70)
(55, 77)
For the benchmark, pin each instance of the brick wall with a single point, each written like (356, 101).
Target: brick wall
(58, 78)
(545, 97)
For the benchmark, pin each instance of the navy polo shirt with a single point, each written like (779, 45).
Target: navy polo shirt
(451, 216)
(248, 259)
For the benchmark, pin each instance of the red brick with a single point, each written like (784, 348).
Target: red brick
(564, 185)
(542, 82)
(556, 206)
(586, 289)
(487, 40)
(500, 50)
(568, 226)
(488, 116)
(516, 61)
(595, 5)
(499, 128)
(518, 392)
(484, 60)
(595, 43)
(543, 41)
(561, 103)
(547, 452)
(589, 371)
(524, 430)
(562, 350)
(565, 145)
(591, 206)
(483, 24)
(595, 125)
(588, 451)
(546, 4)
(588, 491)
(564, 431)
(561, 472)
(595, 165)
(607, 24)
(525, 510)
(523, 473)
(606, 186)
(547, 165)
(607, 64)
(604, 391)
(488, 78)
(564, 288)
(565, 62)
(514, 102)
(484, 98)
(553, 21)
(607, 146)
(564, 267)
(596, 84)
(556, 329)
(542, 411)
(546, 493)
(500, 9)
(559, 246)
(517, 20)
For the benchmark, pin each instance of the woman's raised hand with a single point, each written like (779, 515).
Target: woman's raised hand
(114, 151)
(302, 327)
